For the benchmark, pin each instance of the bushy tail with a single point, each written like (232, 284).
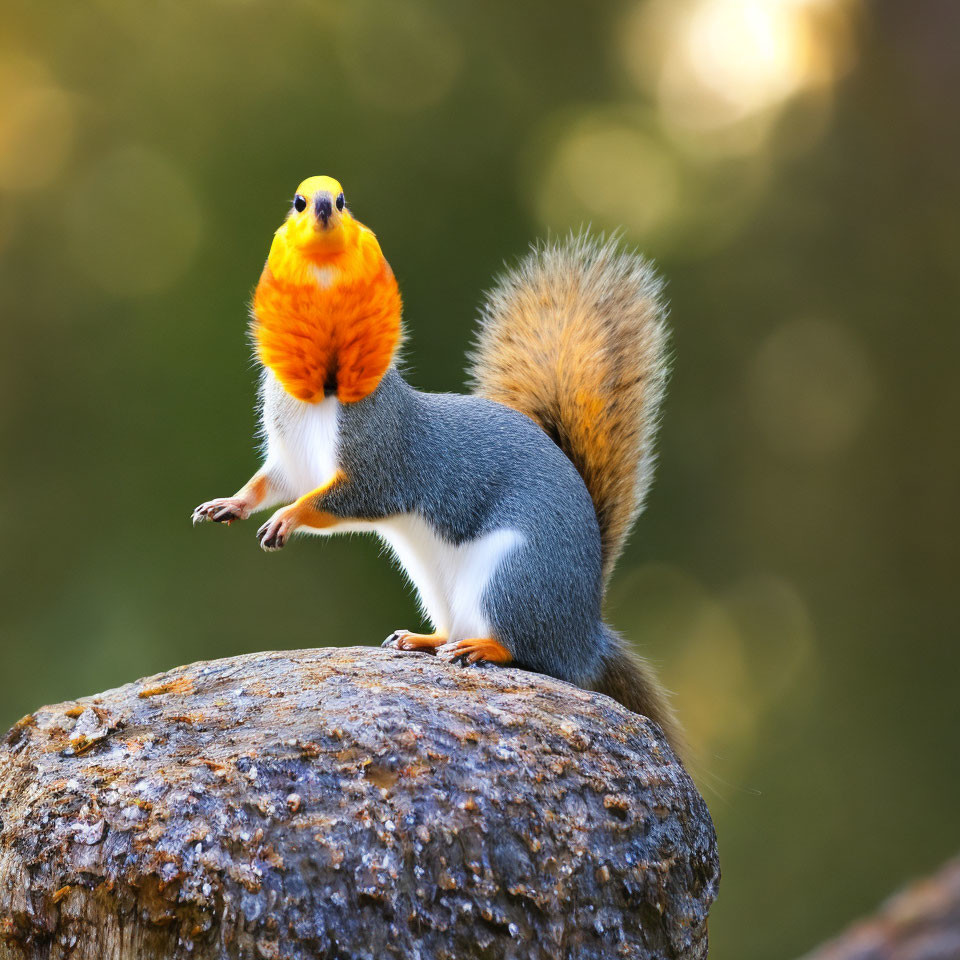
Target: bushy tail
(574, 338)
(630, 680)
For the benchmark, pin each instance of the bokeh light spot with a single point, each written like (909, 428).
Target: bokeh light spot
(37, 125)
(609, 172)
(734, 654)
(811, 388)
(721, 70)
(133, 223)
(745, 55)
(777, 632)
(667, 609)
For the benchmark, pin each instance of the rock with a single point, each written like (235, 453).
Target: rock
(921, 922)
(349, 803)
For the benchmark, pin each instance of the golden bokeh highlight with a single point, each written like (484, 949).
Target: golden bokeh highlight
(777, 633)
(683, 166)
(721, 71)
(37, 125)
(736, 653)
(735, 58)
(604, 169)
(133, 223)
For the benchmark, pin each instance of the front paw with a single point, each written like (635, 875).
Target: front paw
(222, 510)
(273, 535)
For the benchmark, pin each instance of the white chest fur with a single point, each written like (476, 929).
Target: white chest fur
(301, 437)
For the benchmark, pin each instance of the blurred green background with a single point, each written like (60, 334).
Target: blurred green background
(792, 166)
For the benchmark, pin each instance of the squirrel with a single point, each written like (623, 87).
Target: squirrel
(507, 508)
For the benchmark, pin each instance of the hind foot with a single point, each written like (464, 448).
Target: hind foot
(405, 640)
(476, 650)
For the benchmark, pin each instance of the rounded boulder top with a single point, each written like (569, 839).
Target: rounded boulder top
(349, 803)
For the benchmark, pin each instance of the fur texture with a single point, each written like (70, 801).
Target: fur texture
(632, 681)
(505, 529)
(442, 479)
(574, 338)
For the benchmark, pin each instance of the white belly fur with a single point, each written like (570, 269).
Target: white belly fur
(450, 579)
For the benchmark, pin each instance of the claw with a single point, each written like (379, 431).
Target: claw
(272, 535)
(223, 510)
(391, 642)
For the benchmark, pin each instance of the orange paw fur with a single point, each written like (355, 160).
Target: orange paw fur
(275, 533)
(405, 640)
(476, 650)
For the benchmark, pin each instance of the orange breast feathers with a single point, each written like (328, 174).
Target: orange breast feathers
(326, 319)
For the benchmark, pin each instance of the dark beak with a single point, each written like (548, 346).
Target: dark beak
(323, 208)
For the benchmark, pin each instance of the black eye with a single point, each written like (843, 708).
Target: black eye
(340, 202)
(299, 203)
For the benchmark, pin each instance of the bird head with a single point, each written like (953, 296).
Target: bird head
(318, 221)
